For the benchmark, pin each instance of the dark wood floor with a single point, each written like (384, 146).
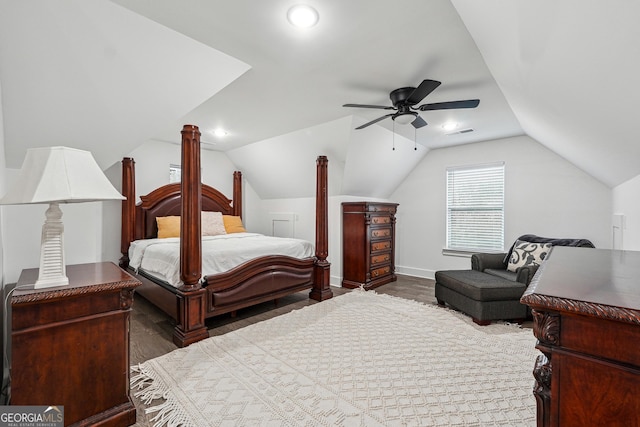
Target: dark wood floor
(151, 330)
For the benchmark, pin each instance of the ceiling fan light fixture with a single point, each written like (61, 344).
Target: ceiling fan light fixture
(405, 119)
(302, 16)
(220, 132)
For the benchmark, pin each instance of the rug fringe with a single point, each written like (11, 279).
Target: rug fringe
(169, 413)
(148, 389)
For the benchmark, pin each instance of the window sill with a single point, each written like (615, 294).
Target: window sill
(466, 253)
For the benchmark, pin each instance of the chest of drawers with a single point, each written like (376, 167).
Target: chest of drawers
(368, 244)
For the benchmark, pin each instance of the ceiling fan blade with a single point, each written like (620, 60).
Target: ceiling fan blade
(374, 121)
(418, 122)
(424, 89)
(381, 107)
(469, 103)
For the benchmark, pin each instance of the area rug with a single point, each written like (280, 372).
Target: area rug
(359, 359)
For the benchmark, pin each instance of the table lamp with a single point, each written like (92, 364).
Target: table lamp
(57, 175)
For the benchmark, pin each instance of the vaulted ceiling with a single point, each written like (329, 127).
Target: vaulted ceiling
(108, 76)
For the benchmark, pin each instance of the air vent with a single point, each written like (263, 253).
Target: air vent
(461, 131)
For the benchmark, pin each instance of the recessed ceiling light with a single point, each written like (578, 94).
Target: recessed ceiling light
(448, 126)
(220, 132)
(302, 16)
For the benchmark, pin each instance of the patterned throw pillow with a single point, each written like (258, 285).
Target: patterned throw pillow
(212, 224)
(527, 253)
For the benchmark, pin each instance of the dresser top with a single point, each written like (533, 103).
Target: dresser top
(598, 282)
(368, 206)
(83, 279)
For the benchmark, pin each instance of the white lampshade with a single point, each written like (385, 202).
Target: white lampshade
(58, 175)
(62, 175)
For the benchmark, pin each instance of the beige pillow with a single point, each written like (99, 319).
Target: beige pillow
(168, 226)
(233, 224)
(212, 224)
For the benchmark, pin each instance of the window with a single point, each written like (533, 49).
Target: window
(175, 173)
(475, 208)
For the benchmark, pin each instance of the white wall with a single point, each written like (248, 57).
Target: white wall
(2, 190)
(544, 195)
(627, 203)
(20, 234)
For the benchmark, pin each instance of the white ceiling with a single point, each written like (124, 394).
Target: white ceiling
(108, 76)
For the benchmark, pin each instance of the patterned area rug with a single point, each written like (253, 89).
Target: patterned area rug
(360, 359)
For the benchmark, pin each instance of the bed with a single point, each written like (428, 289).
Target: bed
(196, 297)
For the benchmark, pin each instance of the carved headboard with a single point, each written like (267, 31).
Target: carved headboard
(165, 201)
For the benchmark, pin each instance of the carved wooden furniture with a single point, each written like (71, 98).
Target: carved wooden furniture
(70, 345)
(259, 280)
(368, 244)
(586, 310)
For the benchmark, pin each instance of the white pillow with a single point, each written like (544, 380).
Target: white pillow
(212, 224)
(527, 253)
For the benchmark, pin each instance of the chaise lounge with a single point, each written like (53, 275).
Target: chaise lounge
(491, 290)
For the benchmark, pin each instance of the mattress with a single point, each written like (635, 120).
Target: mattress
(161, 257)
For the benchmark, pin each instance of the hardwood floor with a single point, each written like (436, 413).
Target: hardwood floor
(151, 330)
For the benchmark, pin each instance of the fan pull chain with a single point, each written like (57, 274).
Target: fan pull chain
(415, 139)
(393, 136)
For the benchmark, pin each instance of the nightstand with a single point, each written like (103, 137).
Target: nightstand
(70, 345)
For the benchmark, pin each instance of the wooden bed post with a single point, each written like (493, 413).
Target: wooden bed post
(237, 193)
(128, 209)
(192, 300)
(321, 284)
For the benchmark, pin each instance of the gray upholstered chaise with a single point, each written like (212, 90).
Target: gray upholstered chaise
(489, 291)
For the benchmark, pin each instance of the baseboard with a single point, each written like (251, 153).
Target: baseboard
(335, 281)
(407, 271)
(416, 272)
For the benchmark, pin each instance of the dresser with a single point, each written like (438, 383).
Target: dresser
(70, 345)
(586, 312)
(368, 244)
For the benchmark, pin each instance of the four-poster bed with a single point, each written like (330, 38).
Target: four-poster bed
(257, 280)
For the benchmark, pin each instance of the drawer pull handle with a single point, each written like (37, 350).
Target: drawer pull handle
(381, 220)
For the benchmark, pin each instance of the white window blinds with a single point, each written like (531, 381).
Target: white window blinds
(475, 207)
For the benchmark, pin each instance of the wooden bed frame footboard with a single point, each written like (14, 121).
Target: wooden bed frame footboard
(253, 282)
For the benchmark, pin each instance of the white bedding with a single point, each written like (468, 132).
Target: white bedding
(161, 257)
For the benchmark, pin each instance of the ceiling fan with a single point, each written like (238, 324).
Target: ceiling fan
(405, 99)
